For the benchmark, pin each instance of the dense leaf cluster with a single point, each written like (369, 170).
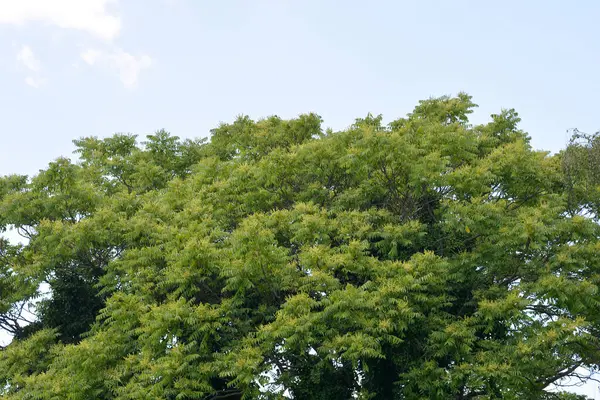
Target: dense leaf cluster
(425, 259)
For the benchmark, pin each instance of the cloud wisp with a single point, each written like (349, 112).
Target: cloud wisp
(126, 65)
(32, 65)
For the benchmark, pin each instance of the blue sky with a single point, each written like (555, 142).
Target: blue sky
(72, 68)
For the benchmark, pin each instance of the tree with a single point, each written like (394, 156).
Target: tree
(425, 259)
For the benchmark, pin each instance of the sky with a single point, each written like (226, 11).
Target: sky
(73, 68)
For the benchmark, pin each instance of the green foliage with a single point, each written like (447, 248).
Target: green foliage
(581, 165)
(426, 259)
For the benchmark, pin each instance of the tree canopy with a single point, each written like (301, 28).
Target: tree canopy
(424, 259)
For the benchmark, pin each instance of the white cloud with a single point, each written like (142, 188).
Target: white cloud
(94, 17)
(126, 65)
(26, 57)
(90, 56)
(29, 61)
(34, 82)
(90, 16)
